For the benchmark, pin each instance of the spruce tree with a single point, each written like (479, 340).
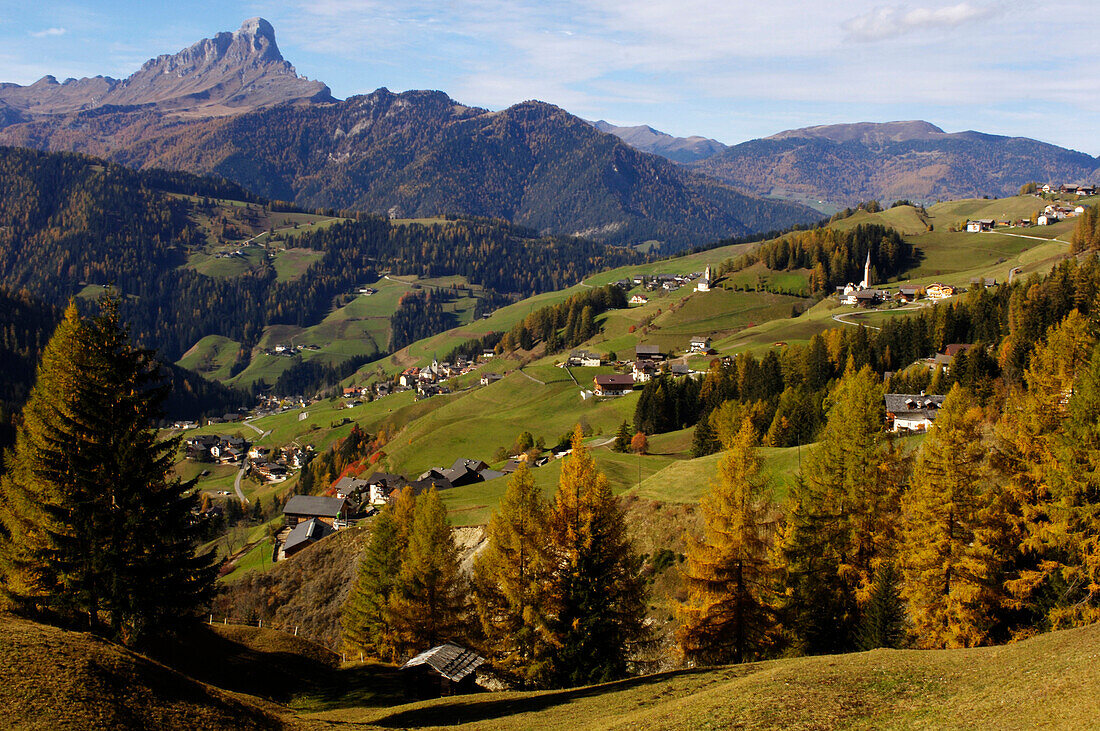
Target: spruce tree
(93, 531)
(884, 618)
(428, 602)
(952, 576)
(364, 621)
(841, 518)
(597, 592)
(622, 438)
(511, 581)
(729, 615)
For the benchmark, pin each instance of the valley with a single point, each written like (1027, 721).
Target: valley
(392, 411)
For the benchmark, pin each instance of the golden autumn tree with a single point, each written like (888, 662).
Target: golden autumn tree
(1026, 455)
(952, 573)
(729, 614)
(427, 605)
(597, 593)
(511, 581)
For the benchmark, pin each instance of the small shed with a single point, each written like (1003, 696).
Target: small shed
(453, 666)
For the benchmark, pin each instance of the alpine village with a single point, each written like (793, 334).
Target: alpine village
(393, 412)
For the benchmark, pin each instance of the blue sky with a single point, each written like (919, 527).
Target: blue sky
(731, 70)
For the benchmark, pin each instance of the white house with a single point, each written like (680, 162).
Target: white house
(982, 224)
(638, 300)
(911, 412)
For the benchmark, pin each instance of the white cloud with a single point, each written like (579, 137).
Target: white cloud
(49, 32)
(891, 21)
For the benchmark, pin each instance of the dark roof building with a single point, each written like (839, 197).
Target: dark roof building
(647, 351)
(304, 507)
(306, 533)
(450, 662)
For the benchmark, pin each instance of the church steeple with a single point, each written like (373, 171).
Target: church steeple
(866, 273)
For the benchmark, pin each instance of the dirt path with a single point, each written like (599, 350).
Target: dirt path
(528, 375)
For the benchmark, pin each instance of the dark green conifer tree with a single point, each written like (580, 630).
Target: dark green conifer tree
(93, 530)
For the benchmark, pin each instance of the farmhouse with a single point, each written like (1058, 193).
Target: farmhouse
(864, 297)
(648, 352)
(939, 291)
(699, 344)
(979, 225)
(911, 412)
(643, 371)
(638, 300)
(304, 534)
(613, 384)
(330, 510)
(487, 378)
(910, 292)
(584, 359)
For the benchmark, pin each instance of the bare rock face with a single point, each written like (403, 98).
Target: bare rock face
(226, 74)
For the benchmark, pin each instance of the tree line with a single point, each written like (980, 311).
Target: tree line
(834, 257)
(555, 599)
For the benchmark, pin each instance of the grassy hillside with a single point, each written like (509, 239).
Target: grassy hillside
(53, 679)
(1045, 682)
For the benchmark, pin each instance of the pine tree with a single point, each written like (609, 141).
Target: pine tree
(952, 580)
(364, 620)
(93, 531)
(841, 518)
(428, 602)
(510, 581)
(622, 438)
(729, 615)
(884, 619)
(597, 592)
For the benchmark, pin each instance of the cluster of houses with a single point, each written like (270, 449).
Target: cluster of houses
(217, 448)
(289, 351)
(1051, 214)
(648, 362)
(663, 281)
(274, 464)
(1071, 189)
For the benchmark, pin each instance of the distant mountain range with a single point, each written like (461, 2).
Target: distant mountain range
(849, 163)
(411, 154)
(232, 105)
(678, 149)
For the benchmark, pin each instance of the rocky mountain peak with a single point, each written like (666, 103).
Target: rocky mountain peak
(228, 73)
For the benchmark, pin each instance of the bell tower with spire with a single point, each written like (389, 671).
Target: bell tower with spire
(866, 283)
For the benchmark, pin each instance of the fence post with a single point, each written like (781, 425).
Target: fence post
(261, 624)
(295, 630)
(226, 620)
(211, 619)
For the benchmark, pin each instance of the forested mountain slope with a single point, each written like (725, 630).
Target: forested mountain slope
(849, 163)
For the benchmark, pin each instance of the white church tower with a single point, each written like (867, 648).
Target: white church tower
(704, 283)
(866, 283)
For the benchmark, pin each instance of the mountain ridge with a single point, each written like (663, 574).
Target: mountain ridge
(228, 73)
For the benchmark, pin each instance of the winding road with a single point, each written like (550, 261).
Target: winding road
(244, 465)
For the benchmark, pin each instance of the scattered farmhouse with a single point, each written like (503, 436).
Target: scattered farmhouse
(330, 510)
(643, 371)
(487, 378)
(699, 344)
(613, 384)
(910, 292)
(644, 351)
(304, 534)
(979, 225)
(911, 412)
(584, 359)
(939, 291)
(639, 300)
